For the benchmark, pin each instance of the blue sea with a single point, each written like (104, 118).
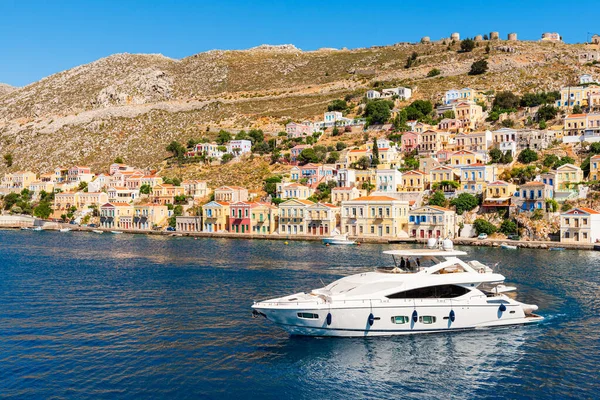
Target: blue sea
(133, 316)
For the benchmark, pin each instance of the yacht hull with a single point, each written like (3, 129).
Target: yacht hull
(398, 319)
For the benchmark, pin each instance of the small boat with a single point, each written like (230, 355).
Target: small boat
(338, 239)
(508, 246)
(116, 232)
(97, 231)
(37, 228)
(24, 228)
(556, 249)
(65, 230)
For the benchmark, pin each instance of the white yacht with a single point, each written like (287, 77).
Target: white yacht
(431, 291)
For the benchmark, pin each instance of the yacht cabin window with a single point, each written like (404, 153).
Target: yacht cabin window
(431, 292)
(427, 319)
(400, 320)
(308, 315)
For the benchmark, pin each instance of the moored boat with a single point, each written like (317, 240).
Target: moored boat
(116, 232)
(65, 230)
(556, 249)
(338, 239)
(427, 290)
(97, 231)
(508, 246)
(37, 229)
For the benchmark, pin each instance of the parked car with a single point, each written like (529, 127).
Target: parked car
(92, 225)
(482, 236)
(170, 229)
(514, 237)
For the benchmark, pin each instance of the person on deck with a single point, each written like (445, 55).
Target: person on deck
(402, 262)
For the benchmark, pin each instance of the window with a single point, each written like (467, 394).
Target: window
(308, 315)
(400, 320)
(431, 292)
(372, 229)
(427, 319)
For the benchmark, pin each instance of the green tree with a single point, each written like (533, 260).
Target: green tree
(363, 163)
(334, 157)
(506, 101)
(496, 155)
(145, 189)
(577, 109)
(242, 135)
(83, 187)
(10, 200)
(226, 158)
(551, 205)
(375, 159)
(508, 227)
(8, 160)
(307, 156)
(368, 186)
(464, 202)
(508, 123)
(438, 199)
(256, 136)
(595, 148)
(270, 184)
(479, 67)
(564, 160)
(223, 137)
(433, 72)
(547, 112)
(177, 149)
(339, 146)
(43, 210)
(550, 160)
(467, 45)
(337, 105)
(483, 226)
(378, 112)
(118, 160)
(527, 156)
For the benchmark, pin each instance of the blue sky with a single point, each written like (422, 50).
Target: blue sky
(42, 37)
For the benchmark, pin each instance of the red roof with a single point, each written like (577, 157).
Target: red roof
(584, 209)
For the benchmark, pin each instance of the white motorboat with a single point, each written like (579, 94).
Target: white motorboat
(508, 246)
(116, 232)
(431, 291)
(65, 230)
(338, 239)
(97, 231)
(37, 229)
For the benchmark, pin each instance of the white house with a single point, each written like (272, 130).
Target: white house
(239, 147)
(585, 79)
(402, 92)
(580, 225)
(387, 180)
(373, 94)
(510, 146)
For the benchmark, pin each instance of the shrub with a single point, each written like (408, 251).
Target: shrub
(508, 227)
(438, 199)
(464, 202)
(483, 226)
(467, 45)
(337, 105)
(479, 67)
(506, 101)
(527, 156)
(433, 72)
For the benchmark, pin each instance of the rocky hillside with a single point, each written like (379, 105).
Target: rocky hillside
(5, 89)
(133, 105)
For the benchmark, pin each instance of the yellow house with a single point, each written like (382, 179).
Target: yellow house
(464, 157)
(566, 175)
(576, 95)
(413, 181)
(263, 218)
(165, 193)
(321, 219)
(469, 113)
(375, 216)
(116, 215)
(434, 141)
(215, 216)
(147, 216)
(292, 217)
(368, 175)
(345, 193)
(441, 174)
(500, 189)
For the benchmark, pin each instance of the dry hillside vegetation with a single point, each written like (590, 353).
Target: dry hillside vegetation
(134, 105)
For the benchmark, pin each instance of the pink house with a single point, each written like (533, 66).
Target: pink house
(443, 156)
(295, 130)
(317, 173)
(239, 218)
(450, 124)
(410, 141)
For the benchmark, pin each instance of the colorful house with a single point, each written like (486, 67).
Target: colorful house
(532, 196)
(231, 194)
(116, 215)
(292, 217)
(595, 168)
(474, 177)
(287, 190)
(375, 216)
(580, 225)
(414, 181)
(239, 217)
(149, 216)
(263, 218)
(345, 193)
(321, 218)
(432, 222)
(165, 193)
(215, 216)
(410, 141)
